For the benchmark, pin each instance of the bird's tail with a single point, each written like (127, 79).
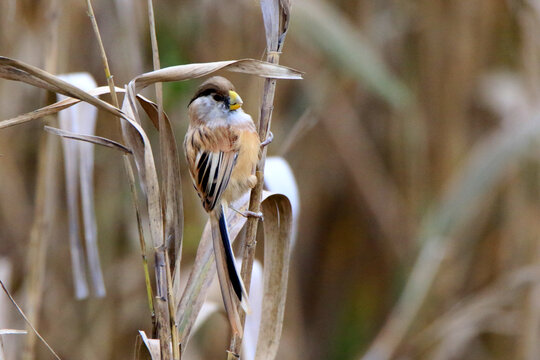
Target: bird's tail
(229, 279)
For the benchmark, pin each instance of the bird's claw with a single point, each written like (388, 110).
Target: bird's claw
(268, 140)
(248, 214)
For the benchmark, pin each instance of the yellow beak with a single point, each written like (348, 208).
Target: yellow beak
(235, 101)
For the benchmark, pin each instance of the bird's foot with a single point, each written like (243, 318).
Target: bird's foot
(248, 214)
(268, 140)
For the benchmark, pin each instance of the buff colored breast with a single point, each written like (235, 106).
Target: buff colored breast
(242, 178)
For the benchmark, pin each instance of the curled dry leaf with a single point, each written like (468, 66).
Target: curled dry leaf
(202, 274)
(27, 72)
(192, 71)
(277, 251)
(98, 140)
(276, 209)
(279, 178)
(152, 345)
(53, 108)
(172, 184)
(79, 169)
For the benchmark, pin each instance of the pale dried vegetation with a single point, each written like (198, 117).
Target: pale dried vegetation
(412, 137)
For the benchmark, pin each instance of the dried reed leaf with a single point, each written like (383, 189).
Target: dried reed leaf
(11, 73)
(62, 86)
(98, 140)
(79, 168)
(192, 71)
(276, 18)
(46, 198)
(12, 332)
(285, 15)
(277, 252)
(138, 142)
(53, 108)
(270, 13)
(202, 274)
(277, 233)
(172, 183)
(152, 345)
(279, 178)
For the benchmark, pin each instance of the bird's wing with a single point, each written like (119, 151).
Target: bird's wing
(211, 154)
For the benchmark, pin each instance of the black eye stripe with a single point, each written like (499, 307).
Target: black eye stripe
(206, 92)
(218, 97)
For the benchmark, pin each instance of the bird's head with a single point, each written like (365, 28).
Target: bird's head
(219, 92)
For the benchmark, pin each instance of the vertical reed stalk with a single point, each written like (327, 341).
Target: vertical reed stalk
(45, 200)
(168, 249)
(265, 119)
(127, 163)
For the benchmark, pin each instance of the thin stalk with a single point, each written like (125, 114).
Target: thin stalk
(142, 241)
(265, 118)
(39, 236)
(127, 163)
(45, 201)
(28, 321)
(164, 163)
(172, 312)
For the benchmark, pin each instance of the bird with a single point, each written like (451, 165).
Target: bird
(222, 149)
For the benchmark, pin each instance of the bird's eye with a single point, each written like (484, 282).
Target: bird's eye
(218, 97)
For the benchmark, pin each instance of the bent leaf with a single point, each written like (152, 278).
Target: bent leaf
(277, 226)
(276, 209)
(192, 71)
(79, 170)
(98, 140)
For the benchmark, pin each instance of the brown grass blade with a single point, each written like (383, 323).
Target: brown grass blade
(203, 271)
(273, 16)
(277, 252)
(79, 166)
(192, 71)
(202, 274)
(136, 139)
(172, 183)
(53, 108)
(11, 73)
(98, 140)
(152, 345)
(46, 199)
(71, 175)
(63, 87)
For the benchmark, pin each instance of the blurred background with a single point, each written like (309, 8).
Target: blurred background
(410, 139)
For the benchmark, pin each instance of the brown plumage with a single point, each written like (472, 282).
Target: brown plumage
(222, 148)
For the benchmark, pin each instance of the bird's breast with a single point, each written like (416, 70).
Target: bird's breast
(246, 162)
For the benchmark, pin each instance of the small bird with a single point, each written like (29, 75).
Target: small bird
(222, 149)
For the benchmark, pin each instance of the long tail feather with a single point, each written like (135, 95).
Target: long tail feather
(229, 280)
